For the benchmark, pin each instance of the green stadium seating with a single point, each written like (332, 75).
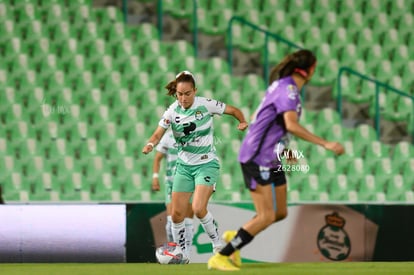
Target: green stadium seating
(407, 169)
(215, 22)
(364, 132)
(101, 73)
(313, 190)
(369, 188)
(382, 167)
(403, 150)
(216, 67)
(351, 90)
(376, 149)
(180, 9)
(395, 188)
(340, 189)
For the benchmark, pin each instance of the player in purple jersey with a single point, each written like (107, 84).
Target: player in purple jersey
(276, 118)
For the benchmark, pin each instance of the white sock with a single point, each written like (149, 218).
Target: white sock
(189, 234)
(178, 232)
(210, 227)
(168, 229)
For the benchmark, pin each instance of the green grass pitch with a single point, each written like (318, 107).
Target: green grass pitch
(354, 268)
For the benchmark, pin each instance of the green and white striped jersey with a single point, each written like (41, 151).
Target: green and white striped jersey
(168, 147)
(193, 129)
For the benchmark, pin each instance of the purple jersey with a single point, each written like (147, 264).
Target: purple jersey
(267, 133)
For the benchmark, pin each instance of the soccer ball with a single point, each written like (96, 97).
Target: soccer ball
(170, 253)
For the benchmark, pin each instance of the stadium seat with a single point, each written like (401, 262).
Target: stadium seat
(368, 188)
(382, 167)
(396, 188)
(337, 132)
(403, 110)
(253, 83)
(254, 15)
(180, 48)
(307, 116)
(356, 90)
(289, 32)
(390, 38)
(348, 54)
(73, 189)
(341, 190)
(146, 32)
(407, 167)
(403, 149)
(376, 149)
(105, 189)
(276, 51)
(358, 168)
(182, 9)
(213, 23)
(214, 7)
(321, 157)
(216, 66)
(327, 117)
(312, 189)
(364, 132)
(132, 189)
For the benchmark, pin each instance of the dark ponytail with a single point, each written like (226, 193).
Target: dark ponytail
(171, 87)
(297, 62)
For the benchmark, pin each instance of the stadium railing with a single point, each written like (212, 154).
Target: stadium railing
(378, 85)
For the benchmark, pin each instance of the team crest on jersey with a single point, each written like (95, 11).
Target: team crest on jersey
(264, 172)
(199, 115)
(292, 92)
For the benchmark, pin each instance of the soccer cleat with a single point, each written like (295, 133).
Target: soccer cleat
(185, 260)
(221, 262)
(216, 249)
(235, 257)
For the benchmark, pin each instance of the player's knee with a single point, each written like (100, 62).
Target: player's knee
(200, 212)
(268, 218)
(281, 214)
(177, 216)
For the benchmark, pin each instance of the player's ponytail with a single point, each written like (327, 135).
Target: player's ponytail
(171, 87)
(298, 62)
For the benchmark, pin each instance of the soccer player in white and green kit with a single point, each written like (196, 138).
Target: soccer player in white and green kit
(191, 120)
(167, 148)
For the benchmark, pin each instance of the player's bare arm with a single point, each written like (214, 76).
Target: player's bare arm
(238, 114)
(155, 169)
(293, 126)
(154, 140)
